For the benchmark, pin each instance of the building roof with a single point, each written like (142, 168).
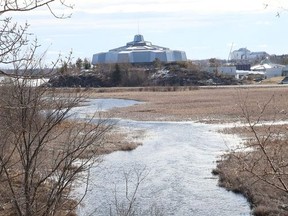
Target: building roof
(265, 64)
(243, 50)
(139, 51)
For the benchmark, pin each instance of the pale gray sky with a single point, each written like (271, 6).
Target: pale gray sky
(202, 28)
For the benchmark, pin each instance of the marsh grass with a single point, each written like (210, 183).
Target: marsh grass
(264, 199)
(117, 139)
(247, 170)
(207, 105)
(114, 140)
(218, 105)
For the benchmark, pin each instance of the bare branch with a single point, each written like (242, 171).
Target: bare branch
(28, 5)
(42, 150)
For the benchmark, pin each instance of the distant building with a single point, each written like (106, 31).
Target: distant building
(258, 55)
(269, 69)
(285, 71)
(226, 70)
(139, 51)
(243, 54)
(240, 54)
(243, 67)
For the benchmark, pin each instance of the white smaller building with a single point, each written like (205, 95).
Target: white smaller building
(226, 70)
(269, 69)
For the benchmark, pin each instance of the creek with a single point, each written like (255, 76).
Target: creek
(177, 158)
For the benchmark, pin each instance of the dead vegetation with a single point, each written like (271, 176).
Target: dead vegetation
(41, 154)
(246, 170)
(259, 169)
(120, 140)
(210, 105)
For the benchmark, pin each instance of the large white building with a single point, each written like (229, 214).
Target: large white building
(245, 54)
(139, 51)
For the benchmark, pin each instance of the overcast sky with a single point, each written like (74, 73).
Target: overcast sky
(202, 28)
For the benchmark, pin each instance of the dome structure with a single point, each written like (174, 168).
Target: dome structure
(139, 51)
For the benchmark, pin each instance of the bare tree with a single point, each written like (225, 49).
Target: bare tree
(269, 140)
(128, 206)
(259, 169)
(126, 201)
(13, 36)
(280, 6)
(43, 154)
(28, 5)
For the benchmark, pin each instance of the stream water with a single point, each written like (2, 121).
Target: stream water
(177, 158)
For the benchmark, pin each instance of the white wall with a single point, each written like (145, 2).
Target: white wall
(273, 72)
(231, 70)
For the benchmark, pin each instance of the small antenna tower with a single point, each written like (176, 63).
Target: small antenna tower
(229, 56)
(138, 27)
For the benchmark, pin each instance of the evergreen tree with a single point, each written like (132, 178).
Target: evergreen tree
(79, 63)
(86, 64)
(116, 75)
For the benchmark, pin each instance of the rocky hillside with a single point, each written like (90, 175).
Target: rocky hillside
(172, 75)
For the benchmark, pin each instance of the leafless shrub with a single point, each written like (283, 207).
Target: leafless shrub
(127, 204)
(42, 154)
(259, 169)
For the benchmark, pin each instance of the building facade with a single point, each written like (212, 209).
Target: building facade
(139, 51)
(243, 54)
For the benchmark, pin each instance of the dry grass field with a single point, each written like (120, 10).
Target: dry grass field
(198, 104)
